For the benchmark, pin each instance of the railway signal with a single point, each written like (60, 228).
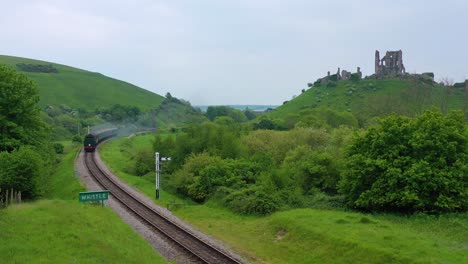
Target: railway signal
(158, 170)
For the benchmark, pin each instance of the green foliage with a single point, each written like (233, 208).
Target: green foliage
(58, 147)
(208, 137)
(20, 170)
(311, 169)
(164, 145)
(20, 122)
(217, 111)
(253, 200)
(409, 165)
(37, 68)
(202, 175)
(277, 143)
(119, 113)
(174, 113)
(333, 78)
(77, 138)
(249, 114)
(337, 236)
(144, 162)
(266, 123)
(355, 77)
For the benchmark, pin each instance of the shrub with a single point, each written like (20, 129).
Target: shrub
(355, 77)
(253, 200)
(408, 165)
(20, 170)
(265, 123)
(58, 148)
(311, 169)
(144, 162)
(77, 139)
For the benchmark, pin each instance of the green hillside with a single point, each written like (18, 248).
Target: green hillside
(369, 98)
(60, 84)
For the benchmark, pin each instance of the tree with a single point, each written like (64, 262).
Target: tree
(249, 114)
(20, 122)
(265, 123)
(409, 165)
(20, 170)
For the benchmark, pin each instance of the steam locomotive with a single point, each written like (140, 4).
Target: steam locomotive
(91, 140)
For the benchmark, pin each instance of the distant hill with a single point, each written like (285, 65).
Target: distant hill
(370, 98)
(60, 84)
(241, 107)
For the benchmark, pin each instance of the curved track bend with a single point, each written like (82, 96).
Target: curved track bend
(200, 249)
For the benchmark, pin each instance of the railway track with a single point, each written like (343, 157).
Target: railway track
(201, 250)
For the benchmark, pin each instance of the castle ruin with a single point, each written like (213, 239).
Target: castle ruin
(390, 65)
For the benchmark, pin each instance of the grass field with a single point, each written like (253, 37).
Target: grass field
(54, 231)
(59, 229)
(64, 184)
(83, 89)
(310, 235)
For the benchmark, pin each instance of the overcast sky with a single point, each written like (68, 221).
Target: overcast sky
(236, 52)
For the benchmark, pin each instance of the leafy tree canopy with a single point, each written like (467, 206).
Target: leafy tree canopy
(409, 165)
(20, 122)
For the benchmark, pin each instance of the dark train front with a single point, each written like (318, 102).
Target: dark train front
(90, 143)
(91, 140)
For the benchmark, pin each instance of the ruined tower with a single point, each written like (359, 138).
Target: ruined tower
(390, 65)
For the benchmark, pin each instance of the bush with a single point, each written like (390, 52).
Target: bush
(20, 170)
(265, 123)
(409, 165)
(58, 148)
(77, 139)
(144, 162)
(311, 169)
(253, 200)
(355, 77)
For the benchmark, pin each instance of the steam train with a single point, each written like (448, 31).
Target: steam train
(91, 140)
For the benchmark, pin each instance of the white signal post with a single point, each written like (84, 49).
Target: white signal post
(158, 171)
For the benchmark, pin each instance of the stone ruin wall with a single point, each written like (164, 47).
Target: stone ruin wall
(390, 65)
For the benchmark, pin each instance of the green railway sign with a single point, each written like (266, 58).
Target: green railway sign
(94, 196)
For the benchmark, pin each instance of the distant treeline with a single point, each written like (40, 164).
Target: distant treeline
(37, 68)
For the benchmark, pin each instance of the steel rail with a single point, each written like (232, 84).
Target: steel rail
(180, 235)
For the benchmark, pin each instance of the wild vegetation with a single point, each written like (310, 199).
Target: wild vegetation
(408, 165)
(416, 165)
(287, 236)
(26, 155)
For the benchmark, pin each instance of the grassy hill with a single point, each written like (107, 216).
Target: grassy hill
(370, 98)
(79, 88)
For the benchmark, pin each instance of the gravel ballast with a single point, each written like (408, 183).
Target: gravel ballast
(165, 247)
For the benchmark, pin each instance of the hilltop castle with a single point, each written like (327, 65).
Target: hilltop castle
(390, 65)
